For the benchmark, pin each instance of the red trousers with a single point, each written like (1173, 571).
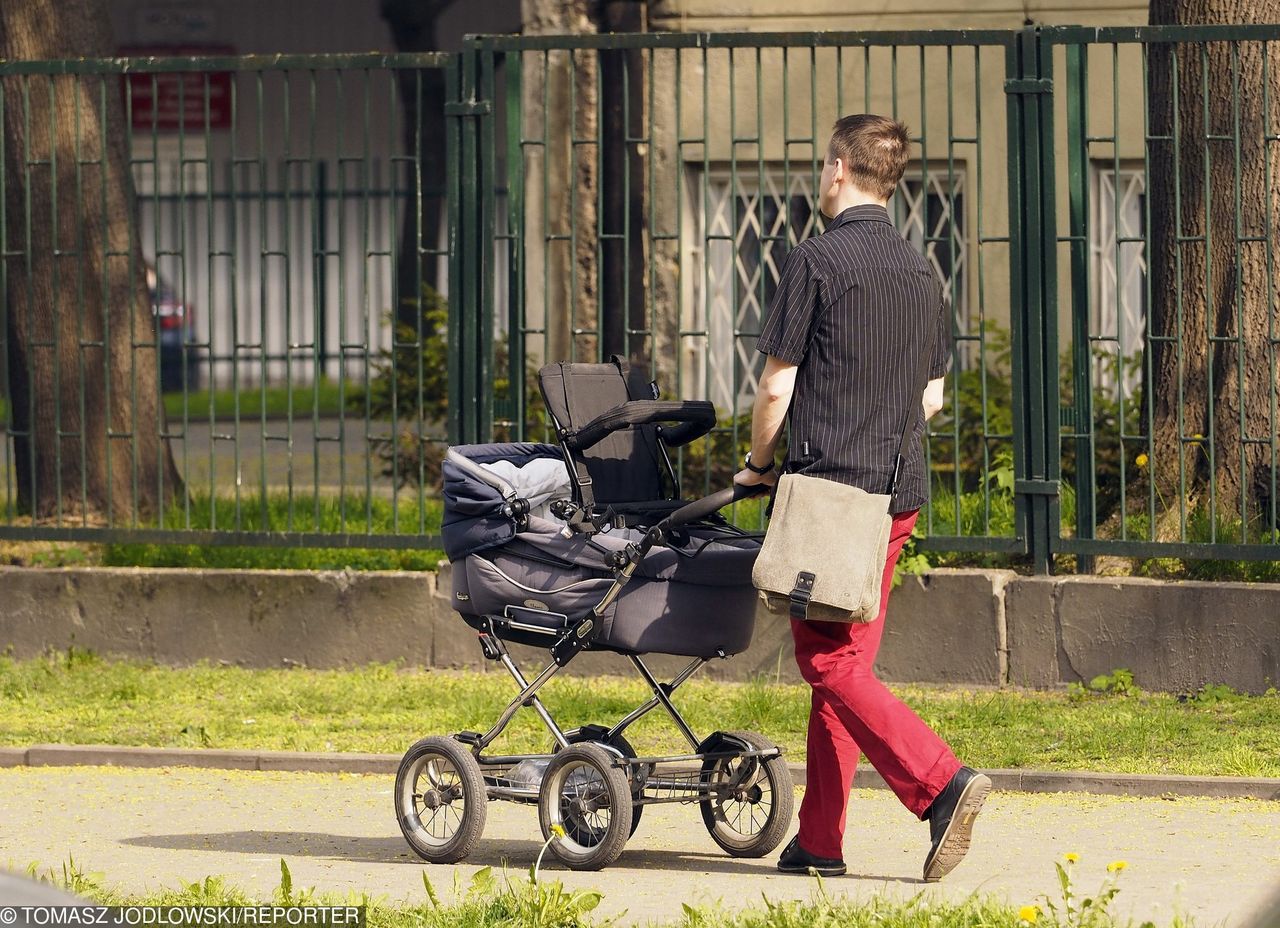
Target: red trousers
(852, 711)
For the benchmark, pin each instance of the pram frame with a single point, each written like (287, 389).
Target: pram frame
(666, 790)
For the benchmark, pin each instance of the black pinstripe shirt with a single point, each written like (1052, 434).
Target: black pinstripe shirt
(852, 311)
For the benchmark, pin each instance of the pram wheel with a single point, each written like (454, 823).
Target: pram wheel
(637, 775)
(587, 796)
(440, 799)
(751, 799)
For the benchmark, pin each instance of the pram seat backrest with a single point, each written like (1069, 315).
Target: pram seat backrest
(626, 465)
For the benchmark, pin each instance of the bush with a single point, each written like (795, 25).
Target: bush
(410, 386)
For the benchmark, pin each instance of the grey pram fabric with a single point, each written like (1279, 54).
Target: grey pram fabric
(692, 596)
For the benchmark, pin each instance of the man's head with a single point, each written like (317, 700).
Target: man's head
(866, 158)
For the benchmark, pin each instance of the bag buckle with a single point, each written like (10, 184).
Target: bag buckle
(801, 594)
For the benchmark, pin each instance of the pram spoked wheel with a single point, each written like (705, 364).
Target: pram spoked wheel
(589, 797)
(636, 773)
(751, 799)
(440, 799)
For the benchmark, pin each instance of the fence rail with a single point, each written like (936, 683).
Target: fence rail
(361, 258)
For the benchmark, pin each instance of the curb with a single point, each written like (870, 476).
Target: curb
(1018, 781)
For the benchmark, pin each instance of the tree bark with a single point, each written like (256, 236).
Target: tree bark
(562, 269)
(623, 182)
(413, 28)
(82, 362)
(1214, 207)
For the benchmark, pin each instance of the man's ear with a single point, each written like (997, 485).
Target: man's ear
(837, 175)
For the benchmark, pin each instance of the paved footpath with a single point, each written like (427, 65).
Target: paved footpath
(147, 829)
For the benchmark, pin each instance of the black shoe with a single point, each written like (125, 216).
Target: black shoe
(796, 859)
(951, 821)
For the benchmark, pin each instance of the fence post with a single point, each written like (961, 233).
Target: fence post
(513, 111)
(454, 193)
(1079, 416)
(1033, 284)
(468, 144)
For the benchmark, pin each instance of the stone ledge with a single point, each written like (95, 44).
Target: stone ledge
(1025, 781)
(969, 627)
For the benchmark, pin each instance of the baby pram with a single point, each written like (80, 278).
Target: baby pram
(585, 547)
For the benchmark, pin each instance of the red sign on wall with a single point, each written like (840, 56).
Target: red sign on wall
(186, 100)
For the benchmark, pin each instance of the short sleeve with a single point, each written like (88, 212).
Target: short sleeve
(789, 328)
(940, 363)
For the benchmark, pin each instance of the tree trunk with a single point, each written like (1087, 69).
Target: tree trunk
(413, 27)
(562, 271)
(82, 363)
(623, 182)
(1214, 206)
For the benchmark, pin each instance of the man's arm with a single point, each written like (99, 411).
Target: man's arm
(773, 399)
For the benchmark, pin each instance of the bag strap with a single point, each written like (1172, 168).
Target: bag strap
(922, 381)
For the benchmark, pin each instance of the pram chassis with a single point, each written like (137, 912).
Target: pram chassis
(737, 773)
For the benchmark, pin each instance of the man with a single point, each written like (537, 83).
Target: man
(846, 330)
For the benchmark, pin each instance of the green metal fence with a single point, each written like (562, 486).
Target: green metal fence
(361, 235)
(1169, 430)
(217, 359)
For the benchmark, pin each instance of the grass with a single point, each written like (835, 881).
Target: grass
(356, 515)
(274, 401)
(979, 514)
(77, 697)
(306, 513)
(507, 900)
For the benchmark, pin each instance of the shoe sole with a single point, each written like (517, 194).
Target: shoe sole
(820, 871)
(955, 840)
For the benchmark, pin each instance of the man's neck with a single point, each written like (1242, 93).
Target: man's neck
(852, 197)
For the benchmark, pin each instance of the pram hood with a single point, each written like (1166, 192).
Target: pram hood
(476, 499)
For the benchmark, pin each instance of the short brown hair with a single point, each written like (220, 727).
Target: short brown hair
(874, 149)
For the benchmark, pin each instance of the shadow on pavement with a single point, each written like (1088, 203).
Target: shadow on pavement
(516, 855)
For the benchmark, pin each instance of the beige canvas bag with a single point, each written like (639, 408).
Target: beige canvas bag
(824, 552)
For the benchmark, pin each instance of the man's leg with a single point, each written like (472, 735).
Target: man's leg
(832, 759)
(838, 659)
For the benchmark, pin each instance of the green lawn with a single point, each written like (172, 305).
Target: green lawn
(304, 513)
(80, 698)
(274, 401)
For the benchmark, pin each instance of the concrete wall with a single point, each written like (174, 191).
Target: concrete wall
(951, 626)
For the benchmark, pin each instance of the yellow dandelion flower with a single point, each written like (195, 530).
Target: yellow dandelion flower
(1029, 913)
(1198, 437)
(1116, 866)
(557, 831)
(1141, 460)
(1073, 857)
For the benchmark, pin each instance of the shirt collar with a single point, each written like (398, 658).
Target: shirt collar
(866, 212)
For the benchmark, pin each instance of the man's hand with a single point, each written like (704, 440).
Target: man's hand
(933, 397)
(749, 478)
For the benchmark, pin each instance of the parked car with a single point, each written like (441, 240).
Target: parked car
(176, 322)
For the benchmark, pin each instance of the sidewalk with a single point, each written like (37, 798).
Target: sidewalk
(149, 828)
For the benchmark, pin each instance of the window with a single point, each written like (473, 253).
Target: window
(1117, 268)
(739, 228)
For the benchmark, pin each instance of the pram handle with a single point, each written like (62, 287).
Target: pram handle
(629, 558)
(696, 418)
(700, 509)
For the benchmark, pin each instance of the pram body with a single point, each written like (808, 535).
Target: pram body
(558, 547)
(544, 575)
